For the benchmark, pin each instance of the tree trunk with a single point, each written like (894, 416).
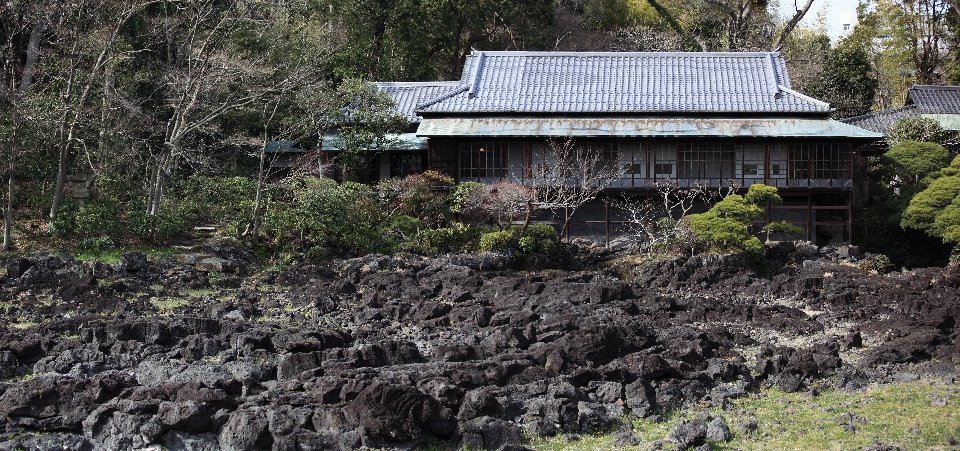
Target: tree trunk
(8, 214)
(791, 24)
(261, 181)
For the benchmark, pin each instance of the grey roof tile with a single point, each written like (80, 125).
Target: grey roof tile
(881, 121)
(930, 99)
(612, 82)
(407, 95)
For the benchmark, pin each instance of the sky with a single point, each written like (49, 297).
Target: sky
(834, 14)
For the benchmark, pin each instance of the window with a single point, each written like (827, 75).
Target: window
(665, 169)
(750, 157)
(819, 161)
(705, 161)
(483, 160)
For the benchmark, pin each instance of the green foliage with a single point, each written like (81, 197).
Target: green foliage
(605, 14)
(910, 161)
(877, 230)
(760, 194)
(92, 219)
(915, 128)
(783, 227)
(363, 116)
(845, 82)
(97, 245)
(499, 241)
(413, 40)
(459, 193)
(726, 223)
(157, 228)
(423, 196)
(936, 209)
(538, 239)
(879, 263)
(458, 238)
(331, 219)
(215, 200)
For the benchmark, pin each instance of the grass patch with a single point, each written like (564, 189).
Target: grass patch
(167, 305)
(20, 325)
(21, 378)
(112, 256)
(916, 415)
(200, 292)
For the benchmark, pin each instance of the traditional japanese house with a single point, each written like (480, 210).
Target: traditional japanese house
(407, 152)
(397, 154)
(719, 119)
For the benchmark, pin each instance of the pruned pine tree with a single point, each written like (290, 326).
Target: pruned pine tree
(655, 222)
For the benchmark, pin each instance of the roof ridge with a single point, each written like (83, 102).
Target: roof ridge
(877, 113)
(622, 54)
(392, 84)
(443, 97)
(936, 87)
(805, 97)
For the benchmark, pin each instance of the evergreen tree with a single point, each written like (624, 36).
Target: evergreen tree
(845, 82)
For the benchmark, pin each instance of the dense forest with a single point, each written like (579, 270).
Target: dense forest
(161, 112)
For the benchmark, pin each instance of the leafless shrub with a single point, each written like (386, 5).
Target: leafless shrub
(656, 222)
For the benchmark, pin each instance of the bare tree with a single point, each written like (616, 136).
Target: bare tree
(503, 202)
(19, 66)
(211, 76)
(90, 37)
(656, 222)
(790, 25)
(570, 176)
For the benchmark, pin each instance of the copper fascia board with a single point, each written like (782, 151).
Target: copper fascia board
(642, 127)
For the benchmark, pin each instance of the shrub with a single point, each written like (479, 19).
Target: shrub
(458, 238)
(459, 193)
(339, 220)
(208, 199)
(783, 227)
(423, 196)
(155, 228)
(500, 203)
(97, 245)
(915, 129)
(499, 241)
(910, 161)
(95, 218)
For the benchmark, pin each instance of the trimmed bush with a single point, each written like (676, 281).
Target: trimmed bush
(500, 241)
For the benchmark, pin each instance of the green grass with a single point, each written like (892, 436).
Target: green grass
(917, 415)
(904, 415)
(167, 305)
(113, 255)
(200, 292)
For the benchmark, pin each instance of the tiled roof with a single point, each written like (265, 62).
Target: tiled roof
(407, 95)
(614, 82)
(881, 121)
(931, 99)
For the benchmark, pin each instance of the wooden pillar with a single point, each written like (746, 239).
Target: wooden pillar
(809, 216)
(849, 218)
